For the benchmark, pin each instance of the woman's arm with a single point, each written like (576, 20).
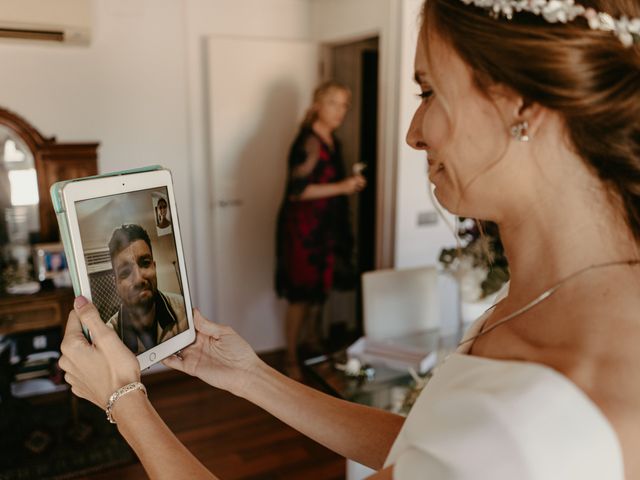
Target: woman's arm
(347, 186)
(386, 474)
(314, 191)
(96, 370)
(162, 455)
(223, 359)
(361, 433)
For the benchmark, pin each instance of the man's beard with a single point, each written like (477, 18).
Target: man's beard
(144, 305)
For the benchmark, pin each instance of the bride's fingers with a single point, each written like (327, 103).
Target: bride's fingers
(208, 327)
(175, 362)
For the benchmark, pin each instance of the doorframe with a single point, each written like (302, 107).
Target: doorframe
(385, 164)
(389, 75)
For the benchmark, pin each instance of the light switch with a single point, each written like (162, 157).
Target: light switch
(427, 218)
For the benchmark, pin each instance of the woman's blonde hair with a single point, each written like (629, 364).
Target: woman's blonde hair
(319, 94)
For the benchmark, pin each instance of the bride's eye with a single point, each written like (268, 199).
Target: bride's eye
(425, 94)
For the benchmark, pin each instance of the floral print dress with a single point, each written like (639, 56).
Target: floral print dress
(314, 240)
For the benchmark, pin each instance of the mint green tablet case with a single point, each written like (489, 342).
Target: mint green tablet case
(63, 222)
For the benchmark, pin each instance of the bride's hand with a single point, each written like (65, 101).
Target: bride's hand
(95, 370)
(219, 356)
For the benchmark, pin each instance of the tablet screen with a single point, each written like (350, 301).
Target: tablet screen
(132, 262)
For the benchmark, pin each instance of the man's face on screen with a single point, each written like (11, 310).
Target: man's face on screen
(135, 271)
(162, 210)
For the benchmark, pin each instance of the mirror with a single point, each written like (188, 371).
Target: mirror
(29, 164)
(19, 197)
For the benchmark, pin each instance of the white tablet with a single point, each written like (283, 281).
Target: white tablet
(122, 241)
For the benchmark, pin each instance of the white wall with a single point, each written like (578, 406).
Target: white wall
(126, 90)
(335, 21)
(276, 19)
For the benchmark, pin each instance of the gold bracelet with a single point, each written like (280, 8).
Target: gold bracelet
(120, 392)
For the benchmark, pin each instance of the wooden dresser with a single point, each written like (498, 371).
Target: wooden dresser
(45, 309)
(52, 161)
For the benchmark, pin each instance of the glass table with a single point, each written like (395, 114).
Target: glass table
(386, 388)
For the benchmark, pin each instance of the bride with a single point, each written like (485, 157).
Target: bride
(529, 117)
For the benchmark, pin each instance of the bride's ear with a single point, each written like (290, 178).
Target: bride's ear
(530, 112)
(515, 109)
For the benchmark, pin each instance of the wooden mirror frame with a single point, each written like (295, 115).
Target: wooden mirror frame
(53, 162)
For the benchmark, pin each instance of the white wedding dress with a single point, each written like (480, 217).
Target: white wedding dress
(480, 418)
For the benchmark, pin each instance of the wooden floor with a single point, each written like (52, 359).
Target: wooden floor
(232, 437)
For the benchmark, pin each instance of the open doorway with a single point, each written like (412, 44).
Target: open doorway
(355, 64)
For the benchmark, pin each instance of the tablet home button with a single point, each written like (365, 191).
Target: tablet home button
(152, 356)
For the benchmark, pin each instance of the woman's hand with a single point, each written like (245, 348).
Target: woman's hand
(95, 370)
(353, 184)
(219, 356)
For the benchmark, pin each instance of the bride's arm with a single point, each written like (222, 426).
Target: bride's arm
(223, 359)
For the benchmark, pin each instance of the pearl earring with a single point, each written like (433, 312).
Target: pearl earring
(520, 131)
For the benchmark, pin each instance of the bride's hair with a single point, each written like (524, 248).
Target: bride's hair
(589, 77)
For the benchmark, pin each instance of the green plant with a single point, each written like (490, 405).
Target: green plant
(478, 262)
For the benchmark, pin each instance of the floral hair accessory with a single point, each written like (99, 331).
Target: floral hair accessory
(563, 11)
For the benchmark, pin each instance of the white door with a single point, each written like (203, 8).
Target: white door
(258, 93)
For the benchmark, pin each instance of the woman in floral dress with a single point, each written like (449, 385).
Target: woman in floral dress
(314, 239)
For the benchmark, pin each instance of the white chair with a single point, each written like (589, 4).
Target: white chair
(400, 302)
(397, 303)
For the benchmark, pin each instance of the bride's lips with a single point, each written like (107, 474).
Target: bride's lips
(432, 161)
(435, 169)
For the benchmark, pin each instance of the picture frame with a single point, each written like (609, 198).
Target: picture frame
(49, 261)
